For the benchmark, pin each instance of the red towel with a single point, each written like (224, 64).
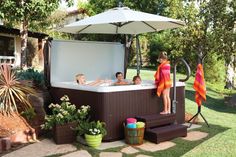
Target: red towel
(199, 85)
(162, 77)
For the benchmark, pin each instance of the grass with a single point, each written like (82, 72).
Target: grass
(222, 119)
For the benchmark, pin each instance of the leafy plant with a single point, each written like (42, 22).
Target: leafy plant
(13, 95)
(32, 74)
(91, 128)
(64, 113)
(28, 114)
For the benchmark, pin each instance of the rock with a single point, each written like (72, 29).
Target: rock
(188, 116)
(195, 136)
(5, 144)
(230, 100)
(17, 128)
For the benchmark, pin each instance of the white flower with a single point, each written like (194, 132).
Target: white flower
(73, 107)
(65, 98)
(65, 113)
(51, 105)
(59, 115)
(57, 106)
(85, 108)
(90, 130)
(61, 110)
(67, 103)
(62, 98)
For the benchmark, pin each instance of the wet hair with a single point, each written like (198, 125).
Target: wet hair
(78, 76)
(118, 73)
(136, 77)
(162, 55)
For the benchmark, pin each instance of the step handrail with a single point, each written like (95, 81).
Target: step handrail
(174, 102)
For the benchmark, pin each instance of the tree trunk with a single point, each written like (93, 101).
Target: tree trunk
(229, 78)
(24, 38)
(40, 52)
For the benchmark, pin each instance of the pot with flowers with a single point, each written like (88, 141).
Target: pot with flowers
(64, 119)
(94, 131)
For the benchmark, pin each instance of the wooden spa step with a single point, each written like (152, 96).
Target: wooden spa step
(165, 133)
(156, 120)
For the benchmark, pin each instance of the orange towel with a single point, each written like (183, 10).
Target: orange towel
(162, 77)
(199, 85)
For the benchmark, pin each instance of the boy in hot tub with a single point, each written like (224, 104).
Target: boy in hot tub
(120, 79)
(80, 79)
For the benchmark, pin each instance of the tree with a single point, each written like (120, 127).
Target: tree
(25, 12)
(223, 15)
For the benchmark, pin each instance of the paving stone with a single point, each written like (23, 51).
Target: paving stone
(80, 153)
(141, 155)
(193, 126)
(110, 154)
(152, 147)
(195, 135)
(43, 148)
(107, 145)
(129, 150)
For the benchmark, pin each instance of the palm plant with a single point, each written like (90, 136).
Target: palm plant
(13, 95)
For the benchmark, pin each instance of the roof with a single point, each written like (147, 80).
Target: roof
(14, 31)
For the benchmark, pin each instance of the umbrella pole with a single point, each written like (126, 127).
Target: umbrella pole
(137, 55)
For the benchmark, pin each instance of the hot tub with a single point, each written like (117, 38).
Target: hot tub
(113, 104)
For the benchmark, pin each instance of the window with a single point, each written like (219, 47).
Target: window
(7, 46)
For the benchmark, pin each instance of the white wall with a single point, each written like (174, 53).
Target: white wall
(94, 59)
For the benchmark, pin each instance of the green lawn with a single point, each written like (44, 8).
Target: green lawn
(222, 119)
(221, 141)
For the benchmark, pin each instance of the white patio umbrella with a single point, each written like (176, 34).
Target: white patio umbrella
(122, 20)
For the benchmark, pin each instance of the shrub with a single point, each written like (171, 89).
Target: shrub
(214, 69)
(32, 74)
(13, 95)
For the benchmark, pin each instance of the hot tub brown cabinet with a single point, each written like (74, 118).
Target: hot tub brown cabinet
(114, 107)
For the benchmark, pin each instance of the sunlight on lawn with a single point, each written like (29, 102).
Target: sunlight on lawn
(222, 119)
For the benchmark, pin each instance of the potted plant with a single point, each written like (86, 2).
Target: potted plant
(63, 119)
(94, 131)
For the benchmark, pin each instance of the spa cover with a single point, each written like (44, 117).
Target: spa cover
(96, 60)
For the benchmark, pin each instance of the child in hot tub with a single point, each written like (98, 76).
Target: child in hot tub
(80, 79)
(120, 79)
(137, 80)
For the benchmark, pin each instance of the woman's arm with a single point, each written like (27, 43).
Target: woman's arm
(95, 83)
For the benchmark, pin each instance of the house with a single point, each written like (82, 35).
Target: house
(10, 45)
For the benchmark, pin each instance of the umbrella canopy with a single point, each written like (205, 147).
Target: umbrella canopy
(122, 20)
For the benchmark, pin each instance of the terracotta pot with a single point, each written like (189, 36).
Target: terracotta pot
(93, 140)
(63, 134)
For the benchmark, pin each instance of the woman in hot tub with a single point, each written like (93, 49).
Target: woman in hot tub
(80, 79)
